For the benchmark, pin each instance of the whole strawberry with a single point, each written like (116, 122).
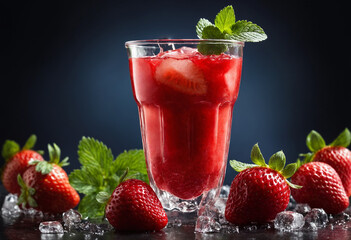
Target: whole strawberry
(16, 162)
(260, 191)
(134, 206)
(335, 154)
(45, 185)
(321, 187)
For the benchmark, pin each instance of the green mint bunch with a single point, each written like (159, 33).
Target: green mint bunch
(226, 27)
(101, 172)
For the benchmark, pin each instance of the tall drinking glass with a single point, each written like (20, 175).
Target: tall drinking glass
(185, 101)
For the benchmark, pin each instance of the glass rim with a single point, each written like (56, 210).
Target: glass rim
(181, 41)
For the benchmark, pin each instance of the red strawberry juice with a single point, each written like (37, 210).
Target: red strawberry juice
(185, 102)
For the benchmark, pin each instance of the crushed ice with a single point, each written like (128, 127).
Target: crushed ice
(302, 208)
(9, 207)
(70, 218)
(296, 218)
(51, 223)
(180, 53)
(316, 218)
(51, 227)
(289, 221)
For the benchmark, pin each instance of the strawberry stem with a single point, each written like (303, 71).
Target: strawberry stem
(344, 139)
(293, 185)
(277, 161)
(289, 170)
(257, 157)
(30, 143)
(9, 149)
(123, 177)
(55, 155)
(27, 193)
(315, 141)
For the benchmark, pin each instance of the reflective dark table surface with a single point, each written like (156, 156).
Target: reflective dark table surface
(25, 230)
(28, 228)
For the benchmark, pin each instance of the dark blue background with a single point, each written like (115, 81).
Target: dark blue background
(64, 71)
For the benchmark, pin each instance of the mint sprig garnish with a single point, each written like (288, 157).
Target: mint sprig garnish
(246, 31)
(225, 19)
(101, 172)
(226, 27)
(202, 23)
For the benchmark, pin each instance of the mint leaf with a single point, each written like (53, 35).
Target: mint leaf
(134, 160)
(103, 197)
(201, 24)
(84, 181)
(89, 207)
(95, 154)
(212, 32)
(209, 48)
(225, 27)
(225, 19)
(246, 31)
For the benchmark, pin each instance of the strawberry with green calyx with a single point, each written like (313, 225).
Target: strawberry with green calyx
(133, 206)
(322, 187)
(45, 185)
(16, 162)
(335, 154)
(260, 191)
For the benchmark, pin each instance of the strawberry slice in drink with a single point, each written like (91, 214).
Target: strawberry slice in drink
(181, 75)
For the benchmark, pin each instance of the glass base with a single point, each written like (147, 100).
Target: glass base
(173, 203)
(189, 212)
